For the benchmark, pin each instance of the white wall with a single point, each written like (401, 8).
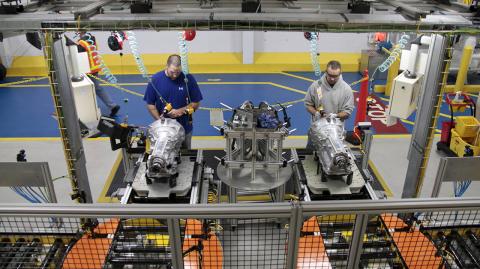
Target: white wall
(296, 42)
(215, 41)
(18, 46)
(167, 42)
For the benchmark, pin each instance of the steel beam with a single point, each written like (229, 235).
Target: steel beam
(262, 210)
(175, 242)
(74, 151)
(356, 245)
(425, 121)
(294, 228)
(456, 169)
(90, 9)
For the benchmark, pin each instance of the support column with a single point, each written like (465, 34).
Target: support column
(248, 47)
(175, 236)
(294, 231)
(428, 107)
(67, 117)
(356, 245)
(465, 63)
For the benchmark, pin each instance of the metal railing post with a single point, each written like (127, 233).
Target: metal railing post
(175, 242)
(356, 246)
(295, 225)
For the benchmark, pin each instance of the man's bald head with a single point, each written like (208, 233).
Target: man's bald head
(174, 60)
(174, 66)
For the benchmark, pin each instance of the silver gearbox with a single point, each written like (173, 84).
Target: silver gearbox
(166, 137)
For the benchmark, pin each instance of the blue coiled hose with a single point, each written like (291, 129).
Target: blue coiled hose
(460, 187)
(182, 45)
(132, 42)
(313, 53)
(394, 54)
(103, 67)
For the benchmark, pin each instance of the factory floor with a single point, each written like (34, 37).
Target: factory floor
(27, 123)
(388, 158)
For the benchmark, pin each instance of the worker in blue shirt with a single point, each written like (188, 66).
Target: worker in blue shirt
(169, 89)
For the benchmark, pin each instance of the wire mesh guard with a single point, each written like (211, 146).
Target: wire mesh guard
(36, 242)
(140, 243)
(254, 243)
(393, 240)
(325, 242)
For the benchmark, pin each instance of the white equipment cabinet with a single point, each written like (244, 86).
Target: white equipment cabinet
(86, 102)
(403, 98)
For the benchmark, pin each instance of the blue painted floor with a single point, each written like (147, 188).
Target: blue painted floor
(26, 110)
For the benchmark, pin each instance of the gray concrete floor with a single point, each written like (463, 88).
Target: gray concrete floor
(388, 155)
(100, 159)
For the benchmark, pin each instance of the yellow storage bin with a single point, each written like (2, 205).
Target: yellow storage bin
(467, 126)
(457, 144)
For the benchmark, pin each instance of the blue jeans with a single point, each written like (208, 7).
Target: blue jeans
(309, 143)
(187, 143)
(104, 96)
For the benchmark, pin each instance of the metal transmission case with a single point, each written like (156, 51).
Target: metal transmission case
(166, 135)
(327, 136)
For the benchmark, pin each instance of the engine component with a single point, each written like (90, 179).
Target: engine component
(167, 136)
(327, 136)
(254, 160)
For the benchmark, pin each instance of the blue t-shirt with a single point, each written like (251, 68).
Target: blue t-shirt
(174, 92)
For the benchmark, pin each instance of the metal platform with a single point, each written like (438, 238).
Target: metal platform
(265, 179)
(333, 186)
(161, 189)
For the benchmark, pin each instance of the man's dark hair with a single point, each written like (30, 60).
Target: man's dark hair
(175, 60)
(334, 65)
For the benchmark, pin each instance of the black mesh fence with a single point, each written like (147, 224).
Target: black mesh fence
(36, 242)
(441, 239)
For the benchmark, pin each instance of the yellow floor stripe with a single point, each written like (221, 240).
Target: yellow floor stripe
(288, 88)
(207, 137)
(19, 139)
(408, 122)
(215, 137)
(128, 84)
(384, 99)
(198, 138)
(297, 137)
(445, 115)
(381, 136)
(28, 86)
(99, 139)
(297, 76)
(145, 84)
(200, 83)
(234, 83)
(387, 136)
(413, 123)
(103, 195)
(382, 182)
